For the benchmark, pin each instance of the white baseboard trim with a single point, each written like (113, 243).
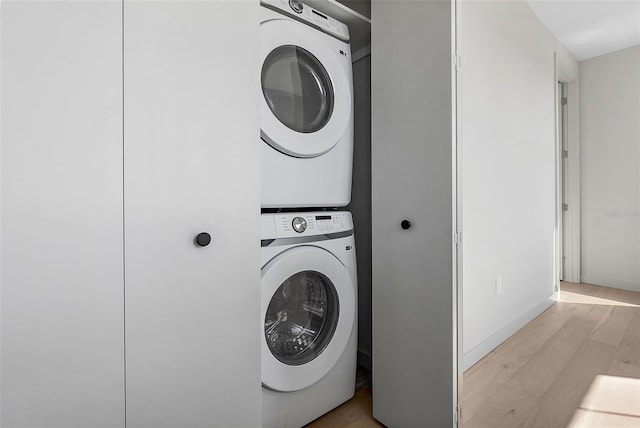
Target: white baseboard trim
(610, 282)
(474, 355)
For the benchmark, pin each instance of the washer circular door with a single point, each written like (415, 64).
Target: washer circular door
(307, 101)
(308, 310)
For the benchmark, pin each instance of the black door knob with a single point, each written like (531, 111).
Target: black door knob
(203, 239)
(405, 224)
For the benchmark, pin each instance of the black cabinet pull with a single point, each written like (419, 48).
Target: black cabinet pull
(405, 224)
(203, 239)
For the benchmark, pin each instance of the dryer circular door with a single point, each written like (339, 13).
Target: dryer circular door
(307, 99)
(308, 310)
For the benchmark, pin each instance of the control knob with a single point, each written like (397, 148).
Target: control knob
(299, 224)
(296, 5)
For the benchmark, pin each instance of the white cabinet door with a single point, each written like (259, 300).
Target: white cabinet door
(61, 289)
(412, 179)
(191, 166)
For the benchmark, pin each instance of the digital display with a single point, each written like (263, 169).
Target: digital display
(319, 14)
(323, 217)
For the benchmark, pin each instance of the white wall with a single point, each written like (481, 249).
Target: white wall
(507, 87)
(610, 112)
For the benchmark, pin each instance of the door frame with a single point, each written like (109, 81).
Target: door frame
(457, 213)
(566, 74)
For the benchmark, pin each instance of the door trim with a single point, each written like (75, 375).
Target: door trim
(566, 74)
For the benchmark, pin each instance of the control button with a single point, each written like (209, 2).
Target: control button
(296, 5)
(299, 224)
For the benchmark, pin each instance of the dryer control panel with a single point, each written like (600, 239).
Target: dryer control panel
(290, 225)
(302, 12)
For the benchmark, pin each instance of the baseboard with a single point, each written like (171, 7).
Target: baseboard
(489, 344)
(610, 282)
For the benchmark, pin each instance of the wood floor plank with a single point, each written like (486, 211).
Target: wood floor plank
(355, 413)
(619, 368)
(614, 326)
(623, 296)
(584, 289)
(612, 401)
(613, 394)
(483, 379)
(594, 315)
(507, 407)
(558, 405)
(600, 335)
(589, 419)
(547, 364)
(626, 360)
(486, 377)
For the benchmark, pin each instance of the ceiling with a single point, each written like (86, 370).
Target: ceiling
(589, 28)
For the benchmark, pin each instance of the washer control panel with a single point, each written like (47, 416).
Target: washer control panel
(306, 13)
(293, 225)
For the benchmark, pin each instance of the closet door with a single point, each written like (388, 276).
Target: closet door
(414, 330)
(191, 167)
(61, 283)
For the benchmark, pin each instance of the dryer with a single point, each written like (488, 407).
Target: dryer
(309, 315)
(306, 111)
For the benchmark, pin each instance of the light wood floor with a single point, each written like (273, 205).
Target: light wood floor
(576, 365)
(355, 413)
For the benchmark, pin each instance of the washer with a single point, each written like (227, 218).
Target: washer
(309, 313)
(306, 112)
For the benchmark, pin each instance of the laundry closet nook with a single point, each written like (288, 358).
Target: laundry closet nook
(130, 201)
(403, 203)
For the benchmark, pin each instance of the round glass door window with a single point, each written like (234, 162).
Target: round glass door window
(297, 89)
(301, 318)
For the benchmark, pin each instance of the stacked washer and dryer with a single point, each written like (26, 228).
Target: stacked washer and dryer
(309, 284)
